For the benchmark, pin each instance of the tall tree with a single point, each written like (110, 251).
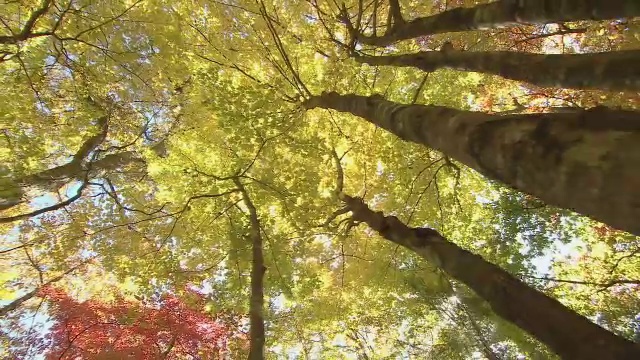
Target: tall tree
(494, 14)
(567, 333)
(256, 302)
(606, 71)
(572, 159)
(220, 85)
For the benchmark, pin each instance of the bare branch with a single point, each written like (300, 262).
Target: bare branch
(603, 285)
(22, 299)
(57, 206)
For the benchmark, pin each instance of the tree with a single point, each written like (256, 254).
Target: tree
(542, 154)
(560, 328)
(236, 202)
(606, 71)
(168, 328)
(495, 14)
(563, 330)
(511, 149)
(256, 302)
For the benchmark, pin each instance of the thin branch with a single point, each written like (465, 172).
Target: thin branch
(27, 30)
(57, 206)
(604, 285)
(419, 89)
(19, 301)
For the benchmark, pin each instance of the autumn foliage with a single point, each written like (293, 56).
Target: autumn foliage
(123, 329)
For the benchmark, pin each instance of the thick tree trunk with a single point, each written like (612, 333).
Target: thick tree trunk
(616, 70)
(564, 331)
(256, 303)
(503, 13)
(586, 160)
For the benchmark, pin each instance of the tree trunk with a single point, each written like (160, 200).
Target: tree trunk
(564, 331)
(256, 303)
(617, 71)
(503, 13)
(584, 160)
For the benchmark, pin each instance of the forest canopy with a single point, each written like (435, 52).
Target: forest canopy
(318, 179)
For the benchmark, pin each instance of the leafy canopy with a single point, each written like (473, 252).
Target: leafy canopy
(197, 91)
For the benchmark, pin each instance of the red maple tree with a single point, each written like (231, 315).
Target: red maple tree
(124, 329)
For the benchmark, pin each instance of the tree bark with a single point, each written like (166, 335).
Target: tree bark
(501, 13)
(256, 303)
(583, 160)
(617, 71)
(564, 331)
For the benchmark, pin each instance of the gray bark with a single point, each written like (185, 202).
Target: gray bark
(585, 160)
(497, 14)
(616, 71)
(564, 331)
